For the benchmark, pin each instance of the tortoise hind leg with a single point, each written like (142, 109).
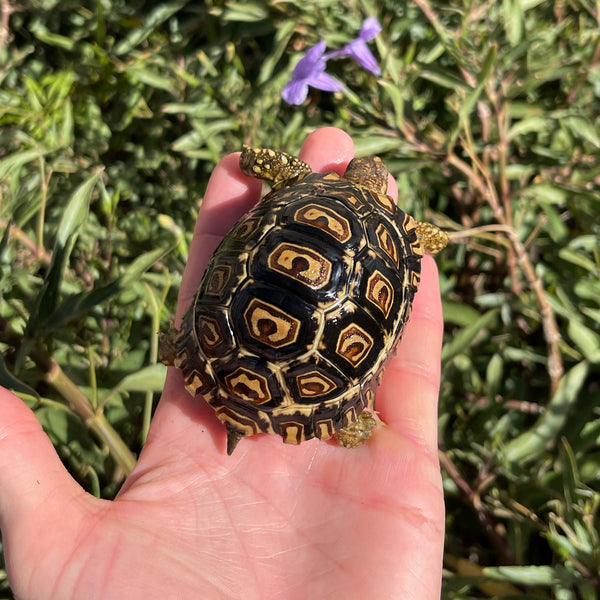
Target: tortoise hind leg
(359, 432)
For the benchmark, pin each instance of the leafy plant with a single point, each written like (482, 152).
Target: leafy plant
(112, 116)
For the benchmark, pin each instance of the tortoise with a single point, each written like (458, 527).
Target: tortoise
(303, 303)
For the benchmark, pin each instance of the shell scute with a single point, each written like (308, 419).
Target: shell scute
(272, 323)
(295, 261)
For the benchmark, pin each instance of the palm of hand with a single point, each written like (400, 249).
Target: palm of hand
(271, 521)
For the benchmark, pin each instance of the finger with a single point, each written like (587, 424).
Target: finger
(33, 481)
(331, 149)
(328, 149)
(408, 396)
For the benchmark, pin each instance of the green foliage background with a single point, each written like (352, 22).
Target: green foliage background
(112, 116)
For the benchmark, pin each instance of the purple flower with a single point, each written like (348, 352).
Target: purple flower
(358, 50)
(310, 71)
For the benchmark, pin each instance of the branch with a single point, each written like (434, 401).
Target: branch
(486, 188)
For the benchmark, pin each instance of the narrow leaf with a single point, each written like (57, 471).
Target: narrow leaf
(514, 21)
(73, 218)
(482, 79)
(80, 304)
(17, 160)
(156, 17)
(11, 382)
(530, 445)
(141, 264)
(587, 341)
(148, 379)
(583, 128)
(465, 337)
(525, 575)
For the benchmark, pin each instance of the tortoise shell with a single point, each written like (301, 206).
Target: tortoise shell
(301, 306)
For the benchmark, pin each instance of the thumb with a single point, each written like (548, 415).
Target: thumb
(33, 481)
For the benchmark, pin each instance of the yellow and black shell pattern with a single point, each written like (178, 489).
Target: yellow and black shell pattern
(300, 308)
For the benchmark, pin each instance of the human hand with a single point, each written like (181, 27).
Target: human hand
(270, 521)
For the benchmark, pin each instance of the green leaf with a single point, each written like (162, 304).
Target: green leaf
(376, 145)
(35, 96)
(53, 39)
(76, 305)
(494, 374)
(155, 17)
(15, 161)
(395, 95)
(151, 78)
(65, 133)
(245, 12)
(471, 99)
(458, 313)
(444, 78)
(4, 240)
(578, 258)
(463, 340)
(142, 263)
(588, 289)
(514, 21)
(528, 446)
(587, 341)
(583, 128)
(554, 224)
(148, 379)
(528, 125)
(546, 192)
(519, 355)
(570, 475)
(282, 39)
(74, 216)
(524, 575)
(80, 304)
(11, 382)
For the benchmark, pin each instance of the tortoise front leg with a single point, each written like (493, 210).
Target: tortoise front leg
(277, 168)
(432, 238)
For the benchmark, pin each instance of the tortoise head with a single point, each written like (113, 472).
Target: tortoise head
(368, 172)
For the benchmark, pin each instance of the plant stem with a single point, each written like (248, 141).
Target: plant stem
(76, 399)
(551, 333)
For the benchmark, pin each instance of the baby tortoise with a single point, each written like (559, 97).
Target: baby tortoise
(304, 303)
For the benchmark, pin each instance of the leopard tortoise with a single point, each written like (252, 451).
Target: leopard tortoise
(303, 303)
